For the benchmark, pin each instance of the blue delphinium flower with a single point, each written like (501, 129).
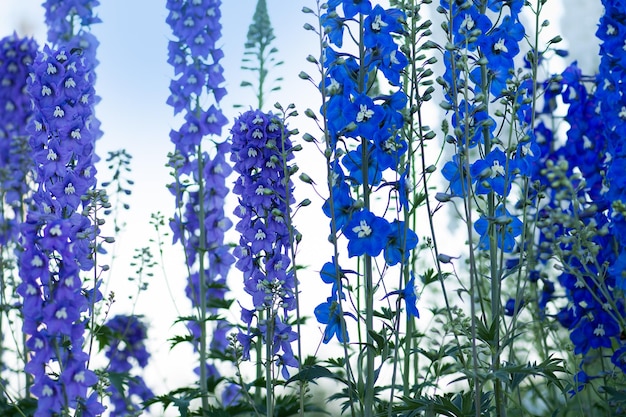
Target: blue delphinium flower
(507, 228)
(491, 173)
(329, 313)
(366, 233)
(410, 296)
(365, 147)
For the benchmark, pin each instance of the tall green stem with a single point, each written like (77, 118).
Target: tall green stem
(202, 284)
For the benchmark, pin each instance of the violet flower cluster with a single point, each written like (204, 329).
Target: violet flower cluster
(57, 236)
(200, 187)
(16, 56)
(370, 129)
(261, 149)
(129, 348)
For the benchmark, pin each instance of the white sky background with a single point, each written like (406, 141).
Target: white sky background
(133, 80)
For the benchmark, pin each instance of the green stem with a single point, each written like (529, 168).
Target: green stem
(202, 284)
(269, 365)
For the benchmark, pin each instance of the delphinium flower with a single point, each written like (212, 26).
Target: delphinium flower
(200, 168)
(489, 103)
(573, 175)
(57, 236)
(128, 348)
(16, 55)
(261, 151)
(369, 126)
(586, 176)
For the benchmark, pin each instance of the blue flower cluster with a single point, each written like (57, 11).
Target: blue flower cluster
(16, 56)
(200, 187)
(479, 70)
(261, 149)
(57, 237)
(129, 335)
(611, 94)
(364, 142)
(582, 180)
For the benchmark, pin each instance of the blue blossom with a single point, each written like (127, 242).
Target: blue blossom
(352, 7)
(400, 242)
(452, 171)
(410, 296)
(130, 335)
(330, 314)
(506, 229)
(493, 173)
(366, 233)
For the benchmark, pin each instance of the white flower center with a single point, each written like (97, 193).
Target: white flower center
(36, 262)
(467, 23)
(364, 113)
(496, 169)
(52, 156)
(61, 314)
(378, 23)
(46, 91)
(70, 83)
(69, 189)
(610, 30)
(58, 112)
(260, 235)
(500, 46)
(526, 150)
(363, 229)
(80, 377)
(55, 230)
(31, 290)
(599, 331)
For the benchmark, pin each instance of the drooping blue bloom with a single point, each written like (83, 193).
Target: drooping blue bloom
(452, 171)
(410, 296)
(400, 242)
(329, 313)
(507, 228)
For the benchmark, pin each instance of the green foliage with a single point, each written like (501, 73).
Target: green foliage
(260, 56)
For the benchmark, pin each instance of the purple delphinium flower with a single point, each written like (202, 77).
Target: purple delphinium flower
(16, 55)
(261, 149)
(129, 336)
(56, 235)
(201, 171)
